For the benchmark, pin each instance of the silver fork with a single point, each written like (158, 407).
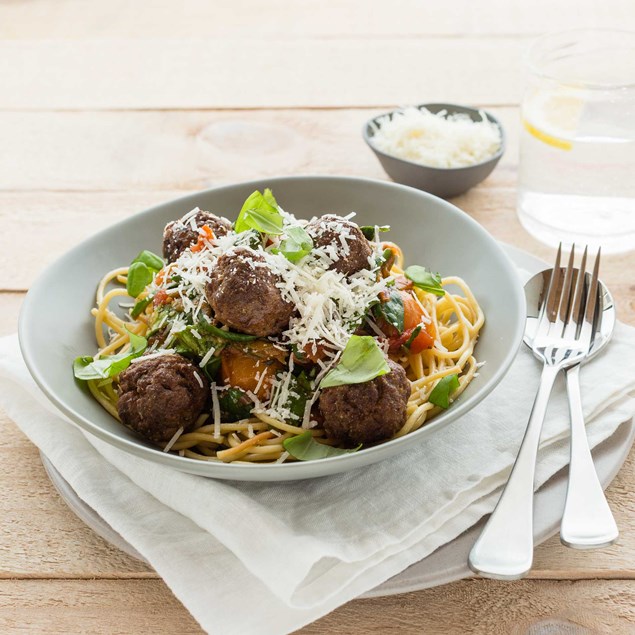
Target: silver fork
(504, 550)
(587, 521)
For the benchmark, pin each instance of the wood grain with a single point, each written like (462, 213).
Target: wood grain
(68, 19)
(516, 608)
(193, 150)
(203, 73)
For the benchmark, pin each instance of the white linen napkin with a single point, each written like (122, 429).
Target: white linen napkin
(270, 558)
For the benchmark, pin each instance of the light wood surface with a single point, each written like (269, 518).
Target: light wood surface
(109, 107)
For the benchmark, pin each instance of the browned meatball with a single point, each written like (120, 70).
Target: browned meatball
(160, 394)
(244, 295)
(332, 232)
(179, 235)
(367, 412)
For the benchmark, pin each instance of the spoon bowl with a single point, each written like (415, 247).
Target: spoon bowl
(605, 317)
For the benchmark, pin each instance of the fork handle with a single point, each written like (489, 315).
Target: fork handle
(587, 521)
(505, 548)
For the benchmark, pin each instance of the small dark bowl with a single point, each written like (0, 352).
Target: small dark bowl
(443, 182)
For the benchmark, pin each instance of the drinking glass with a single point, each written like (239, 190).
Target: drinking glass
(577, 145)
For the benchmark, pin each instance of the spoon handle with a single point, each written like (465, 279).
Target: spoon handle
(587, 521)
(505, 548)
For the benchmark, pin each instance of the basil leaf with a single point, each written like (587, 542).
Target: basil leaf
(189, 345)
(139, 307)
(300, 388)
(139, 277)
(260, 212)
(305, 448)
(110, 365)
(212, 367)
(361, 361)
(150, 260)
(235, 404)
(413, 336)
(210, 329)
(424, 279)
(440, 395)
(392, 311)
(369, 230)
(296, 245)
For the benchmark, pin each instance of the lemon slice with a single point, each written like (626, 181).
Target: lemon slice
(553, 118)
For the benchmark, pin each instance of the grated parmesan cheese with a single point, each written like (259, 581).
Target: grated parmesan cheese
(436, 140)
(198, 379)
(283, 457)
(207, 357)
(216, 410)
(173, 440)
(158, 353)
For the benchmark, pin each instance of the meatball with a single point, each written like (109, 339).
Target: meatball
(160, 394)
(244, 295)
(367, 412)
(332, 232)
(179, 235)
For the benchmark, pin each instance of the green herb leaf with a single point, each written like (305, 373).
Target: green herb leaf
(300, 387)
(210, 329)
(188, 344)
(369, 230)
(260, 212)
(413, 336)
(361, 361)
(212, 367)
(150, 260)
(86, 368)
(440, 395)
(424, 279)
(235, 404)
(139, 277)
(305, 448)
(392, 311)
(296, 245)
(139, 307)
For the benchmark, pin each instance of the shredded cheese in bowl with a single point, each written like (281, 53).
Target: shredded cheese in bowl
(438, 140)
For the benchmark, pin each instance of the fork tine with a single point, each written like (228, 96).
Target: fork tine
(567, 288)
(592, 296)
(579, 301)
(553, 297)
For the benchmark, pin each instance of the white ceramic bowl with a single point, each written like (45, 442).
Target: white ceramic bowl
(55, 323)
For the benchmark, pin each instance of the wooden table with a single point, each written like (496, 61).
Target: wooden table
(109, 107)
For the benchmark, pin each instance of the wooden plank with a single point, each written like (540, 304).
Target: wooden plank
(245, 73)
(10, 303)
(193, 150)
(485, 607)
(43, 538)
(68, 19)
(479, 607)
(91, 607)
(40, 533)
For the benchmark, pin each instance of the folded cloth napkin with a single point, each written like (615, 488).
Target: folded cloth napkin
(270, 558)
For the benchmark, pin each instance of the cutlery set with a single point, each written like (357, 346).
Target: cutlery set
(570, 318)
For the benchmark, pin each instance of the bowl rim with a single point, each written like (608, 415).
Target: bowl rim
(406, 162)
(283, 471)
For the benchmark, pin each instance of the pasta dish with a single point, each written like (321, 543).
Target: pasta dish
(276, 339)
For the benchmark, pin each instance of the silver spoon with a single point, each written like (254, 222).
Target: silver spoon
(587, 521)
